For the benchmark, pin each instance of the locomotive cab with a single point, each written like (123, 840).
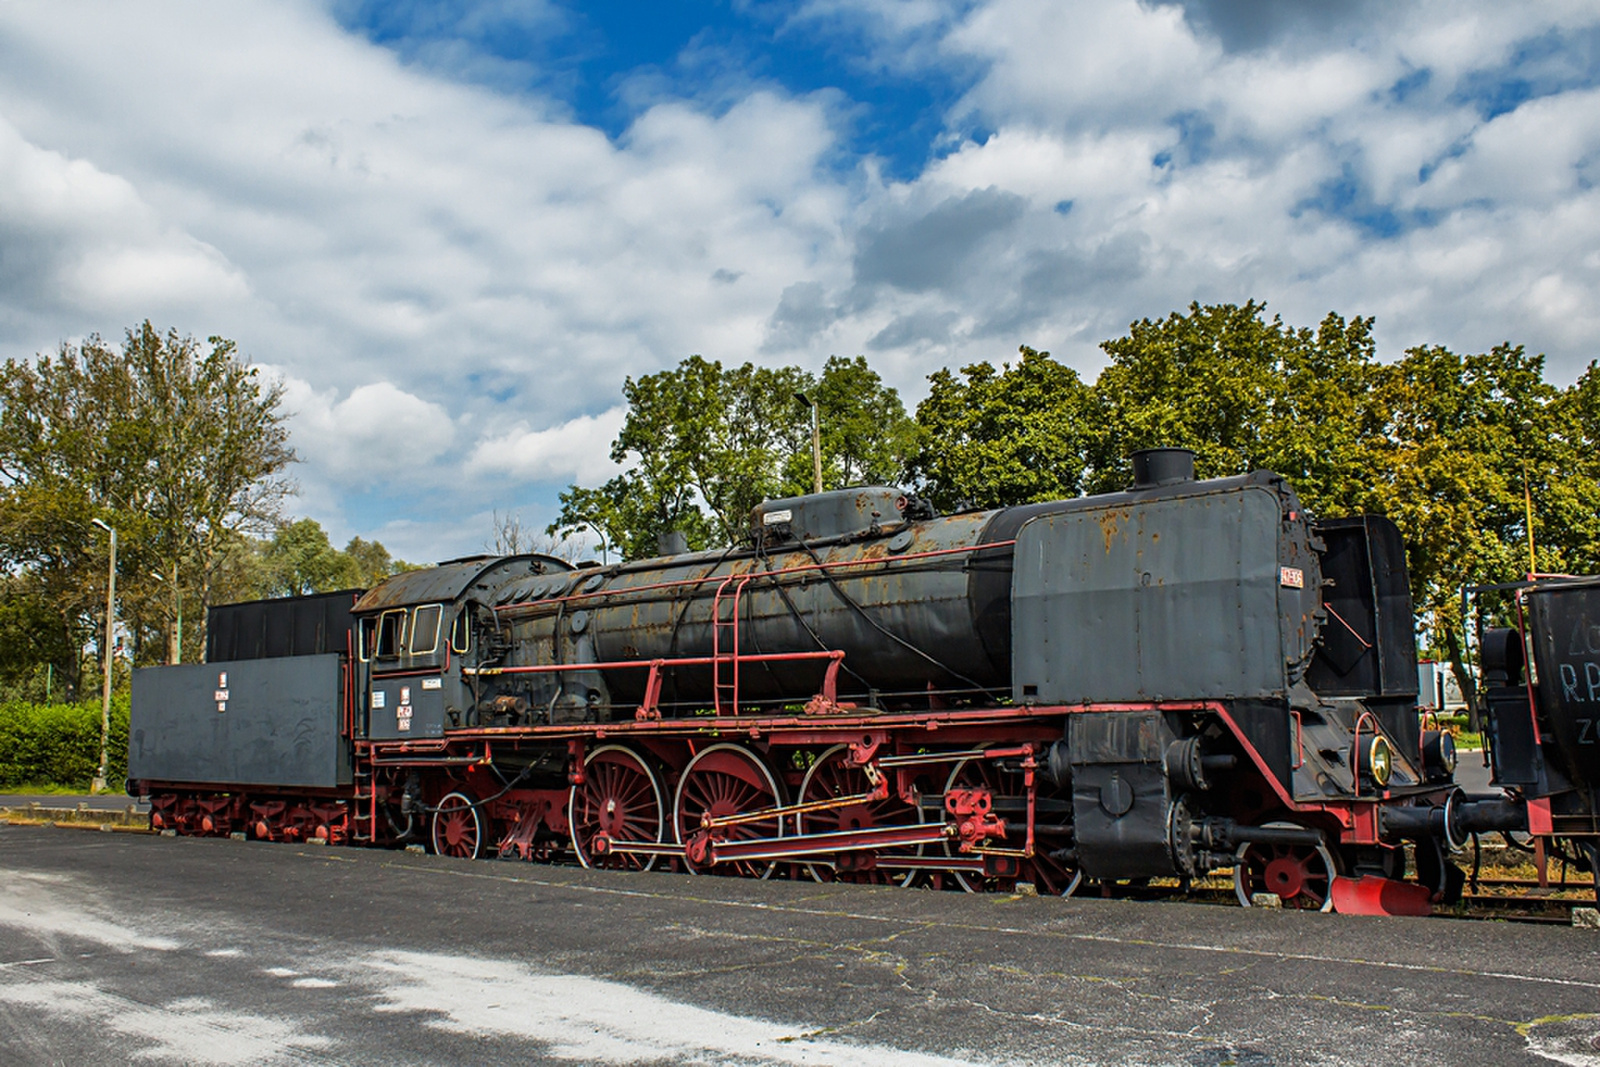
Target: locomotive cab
(421, 635)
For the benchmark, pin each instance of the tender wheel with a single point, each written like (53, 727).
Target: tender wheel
(1301, 875)
(458, 827)
(830, 777)
(1052, 829)
(727, 780)
(619, 800)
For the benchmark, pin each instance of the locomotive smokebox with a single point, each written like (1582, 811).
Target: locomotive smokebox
(1162, 466)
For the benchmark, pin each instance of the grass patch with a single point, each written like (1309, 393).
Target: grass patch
(44, 789)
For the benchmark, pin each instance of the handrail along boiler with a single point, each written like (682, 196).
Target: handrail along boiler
(1183, 676)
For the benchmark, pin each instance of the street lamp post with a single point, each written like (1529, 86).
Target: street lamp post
(99, 785)
(175, 651)
(816, 440)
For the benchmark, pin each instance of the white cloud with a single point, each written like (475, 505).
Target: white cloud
(454, 279)
(377, 430)
(578, 450)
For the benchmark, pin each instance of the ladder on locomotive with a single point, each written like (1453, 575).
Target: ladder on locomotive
(725, 643)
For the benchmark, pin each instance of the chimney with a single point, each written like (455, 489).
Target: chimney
(1154, 467)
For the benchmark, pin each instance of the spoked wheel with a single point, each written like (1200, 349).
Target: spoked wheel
(1052, 831)
(725, 780)
(619, 800)
(458, 827)
(1301, 875)
(830, 777)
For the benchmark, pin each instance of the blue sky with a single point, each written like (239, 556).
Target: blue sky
(452, 230)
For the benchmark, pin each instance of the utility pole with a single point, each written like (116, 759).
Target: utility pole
(99, 785)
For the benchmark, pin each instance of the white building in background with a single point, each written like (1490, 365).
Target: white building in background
(1437, 687)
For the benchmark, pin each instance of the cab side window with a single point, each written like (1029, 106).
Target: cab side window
(391, 633)
(425, 629)
(365, 634)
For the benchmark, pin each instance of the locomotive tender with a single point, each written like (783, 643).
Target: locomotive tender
(1178, 678)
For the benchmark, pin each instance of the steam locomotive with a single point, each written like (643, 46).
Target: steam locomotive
(1178, 678)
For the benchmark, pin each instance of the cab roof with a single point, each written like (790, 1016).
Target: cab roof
(453, 580)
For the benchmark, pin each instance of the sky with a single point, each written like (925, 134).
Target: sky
(452, 230)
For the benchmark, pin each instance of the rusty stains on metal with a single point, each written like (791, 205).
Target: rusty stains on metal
(1110, 521)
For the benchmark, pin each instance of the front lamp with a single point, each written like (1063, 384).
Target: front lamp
(1439, 753)
(1377, 762)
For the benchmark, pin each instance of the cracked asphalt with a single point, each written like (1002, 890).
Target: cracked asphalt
(115, 947)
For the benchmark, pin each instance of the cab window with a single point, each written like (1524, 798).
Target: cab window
(425, 629)
(391, 632)
(368, 629)
(461, 634)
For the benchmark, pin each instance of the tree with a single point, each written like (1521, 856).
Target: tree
(703, 445)
(370, 563)
(993, 438)
(1245, 394)
(1469, 446)
(512, 538)
(300, 559)
(179, 446)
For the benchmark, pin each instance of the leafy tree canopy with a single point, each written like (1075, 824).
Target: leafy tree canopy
(991, 438)
(178, 445)
(703, 444)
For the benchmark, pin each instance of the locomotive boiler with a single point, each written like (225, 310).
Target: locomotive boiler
(1156, 683)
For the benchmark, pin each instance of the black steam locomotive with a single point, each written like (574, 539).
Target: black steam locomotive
(1157, 683)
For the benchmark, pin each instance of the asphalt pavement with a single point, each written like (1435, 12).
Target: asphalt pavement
(119, 947)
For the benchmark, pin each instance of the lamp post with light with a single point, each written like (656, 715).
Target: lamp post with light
(175, 653)
(816, 440)
(99, 784)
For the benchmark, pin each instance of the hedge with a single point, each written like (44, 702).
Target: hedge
(59, 744)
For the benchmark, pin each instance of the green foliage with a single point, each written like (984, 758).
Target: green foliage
(994, 438)
(59, 744)
(1467, 446)
(866, 435)
(1246, 394)
(704, 444)
(299, 560)
(178, 445)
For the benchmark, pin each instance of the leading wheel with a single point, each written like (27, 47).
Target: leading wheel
(1301, 875)
(458, 827)
(831, 776)
(725, 780)
(619, 801)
